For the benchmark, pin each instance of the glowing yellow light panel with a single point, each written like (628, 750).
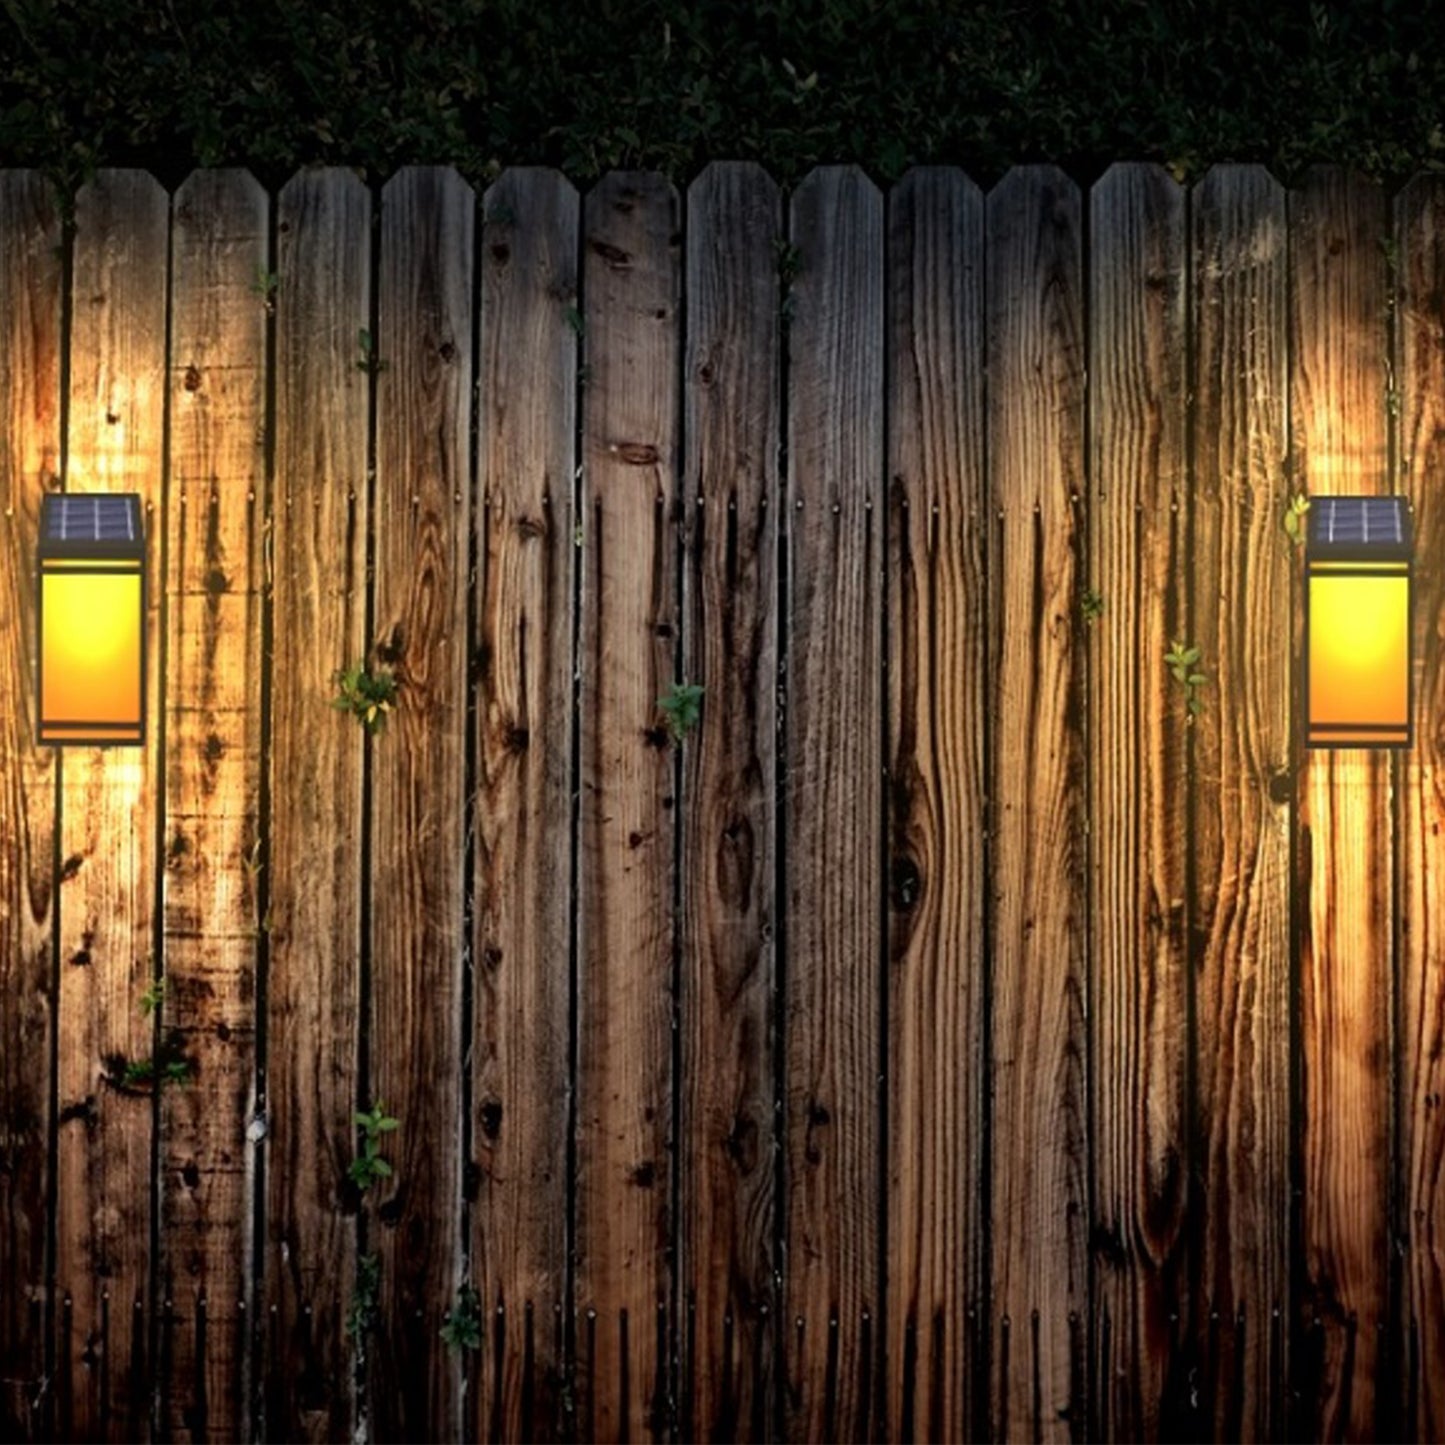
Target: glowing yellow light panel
(1358, 681)
(92, 620)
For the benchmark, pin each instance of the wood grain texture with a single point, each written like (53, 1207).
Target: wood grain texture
(319, 521)
(830, 958)
(631, 287)
(523, 909)
(213, 781)
(422, 520)
(109, 808)
(31, 269)
(730, 647)
(1339, 442)
(833, 805)
(936, 820)
(1419, 360)
(1039, 1196)
(1241, 587)
(1139, 792)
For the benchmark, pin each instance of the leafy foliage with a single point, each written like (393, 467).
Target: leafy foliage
(153, 996)
(669, 84)
(169, 1064)
(1183, 663)
(368, 361)
(361, 1312)
(1294, 518)
(681, 706)
(369, 1166)
(1091, 604)
(366, 695)
(462, 1325)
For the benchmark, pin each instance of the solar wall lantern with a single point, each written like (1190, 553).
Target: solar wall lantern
(1358, 682)
(91, 620)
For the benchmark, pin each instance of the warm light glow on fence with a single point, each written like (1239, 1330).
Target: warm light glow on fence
(1357, 623)
(92, 620)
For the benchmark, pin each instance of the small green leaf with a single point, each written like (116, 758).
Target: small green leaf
(151, 999)
(462, 1325)
(138, 1071)
(361, 1315)
(680, 706)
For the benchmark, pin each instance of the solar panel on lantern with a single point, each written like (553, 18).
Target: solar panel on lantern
(1361, 528)
(83, 524)
(1359, 686)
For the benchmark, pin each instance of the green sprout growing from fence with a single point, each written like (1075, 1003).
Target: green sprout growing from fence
(361, 1313)
(265, 286)
(1294, 518)
(789, 261)
(462, 1325)
(153, 996)
(169, 1068)
(681, 705)
(1091, 604)
(369, 361)
(369, 1166)
(366, 695)
(169, 1064)
(1183, 663)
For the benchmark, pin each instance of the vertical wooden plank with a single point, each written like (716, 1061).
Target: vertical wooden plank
(109, 800)
(523, 888)
(833, 799)
(1242, 787)
(631, 282)
(30, 301)
(423, 512)
(213, 782)
(1338, 419)
(730, 647)
(936, 787)
(1039, 1195)
(319, 522)
(1420, 1218)
(1139, 792)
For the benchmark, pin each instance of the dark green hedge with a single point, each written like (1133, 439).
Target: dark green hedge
(591, 85)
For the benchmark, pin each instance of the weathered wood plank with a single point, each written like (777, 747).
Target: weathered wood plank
(31, 270)
(423, 523)
(319, 522)
(1338, 432)
(833, 802)
(1242, 572)
(1419, 227)
(730, 647)
(1139, 792)
(631, 291)
(523, 890)
(1039, 1203)
(213, 784)
(109, 801)
(936, 785)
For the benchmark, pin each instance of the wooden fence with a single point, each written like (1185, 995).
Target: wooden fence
(945, 1040)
